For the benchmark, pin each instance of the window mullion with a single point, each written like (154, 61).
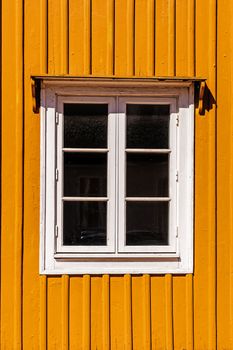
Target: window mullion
(111, 214)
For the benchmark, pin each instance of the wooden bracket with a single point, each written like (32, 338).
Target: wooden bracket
(201, 97)
(35, 95)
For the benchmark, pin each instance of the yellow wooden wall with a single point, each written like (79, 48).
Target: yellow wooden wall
(122, 38)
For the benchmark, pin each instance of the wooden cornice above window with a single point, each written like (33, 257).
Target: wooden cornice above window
(112, 81)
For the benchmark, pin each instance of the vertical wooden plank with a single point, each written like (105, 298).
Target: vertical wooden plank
(96, 312)
(117, 312)
(205, 225)
(189, 312)
(162, 37)
(124, 37)
(19, 124)
(11, 173)
(212, 184)
(80, 37)
(34, 290)
(65, 312)
(150, 23)
(54, 313)
(52, 39)
(138, 312)
(144, 37)
(110, 55)
(147, 312)
(201, 186)
(128, 341)
(56, 37)
(171, 38)
(181, 38)
(106, 311)
(179, 308)
(76, 313)
(191, 38)
(43, 313)
(43, 36)
(86, 337)
(64, 42)
(230, 324)
(102, 37)
(158, 316)
(224, 177)
(169, 311)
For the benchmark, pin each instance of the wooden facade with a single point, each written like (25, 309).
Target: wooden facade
(116, 38)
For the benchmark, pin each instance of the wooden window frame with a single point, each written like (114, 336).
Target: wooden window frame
(116, 258)
(111, 183)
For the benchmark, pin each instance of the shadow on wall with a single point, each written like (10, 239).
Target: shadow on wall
(204, 100)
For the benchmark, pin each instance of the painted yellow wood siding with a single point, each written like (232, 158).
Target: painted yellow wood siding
(122, 38)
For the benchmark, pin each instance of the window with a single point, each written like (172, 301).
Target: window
(116, 177)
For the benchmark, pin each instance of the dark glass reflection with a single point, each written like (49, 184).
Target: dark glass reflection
(85, 174)
(147, 223)
(147, 126)
(85, 125)
(84, 223)
(147, 175)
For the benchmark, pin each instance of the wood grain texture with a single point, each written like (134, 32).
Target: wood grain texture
(11, 173)
(205, 222)
(224, 178)
(106, 311)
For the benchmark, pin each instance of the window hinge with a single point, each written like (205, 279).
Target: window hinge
(177, 120)
(177, 231)
(56, 174)
(177, 176)
(56, 231)
(57, 118)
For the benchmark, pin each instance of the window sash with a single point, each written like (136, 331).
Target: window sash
(172, 239)
(111, 176)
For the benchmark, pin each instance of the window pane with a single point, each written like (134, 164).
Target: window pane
(147, 126)
(147, 223)
(147, 175)
(85, 174)
(84, 223)
(85, 125)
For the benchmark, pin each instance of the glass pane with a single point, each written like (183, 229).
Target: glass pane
(147, 175)
(84, 223)
(85, 125)
(147, 126)
(85, 174)
(147, 223)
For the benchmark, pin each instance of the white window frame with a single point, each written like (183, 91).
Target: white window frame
(111, 176)
(172, 246)
(116, 257)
